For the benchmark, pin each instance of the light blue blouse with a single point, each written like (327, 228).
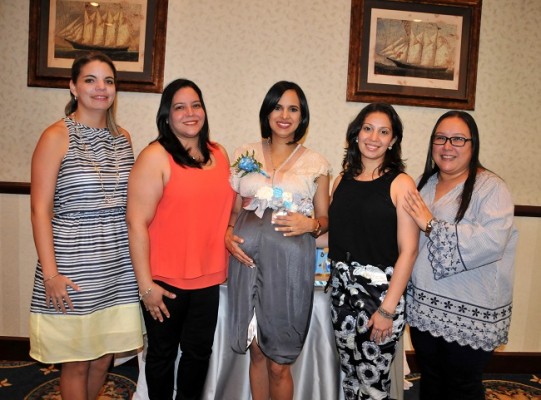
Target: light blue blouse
(461, 287)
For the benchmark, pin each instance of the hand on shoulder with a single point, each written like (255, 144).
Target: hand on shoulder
(405, 180)
(401, 186)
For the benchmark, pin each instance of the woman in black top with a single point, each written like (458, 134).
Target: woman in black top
(372, 244)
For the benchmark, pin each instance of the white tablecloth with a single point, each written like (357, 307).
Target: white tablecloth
(316, 373)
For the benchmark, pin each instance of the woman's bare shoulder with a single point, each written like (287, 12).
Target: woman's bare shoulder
(56, 130)
(153, 153)
(124, 133)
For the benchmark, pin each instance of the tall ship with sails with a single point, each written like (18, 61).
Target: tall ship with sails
(108, 32)
(428, 51)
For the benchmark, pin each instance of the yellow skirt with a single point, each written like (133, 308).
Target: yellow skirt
(59, 338)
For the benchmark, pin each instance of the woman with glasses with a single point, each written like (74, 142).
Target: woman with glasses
(461, 289)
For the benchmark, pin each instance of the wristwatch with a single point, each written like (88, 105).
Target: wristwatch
(428, 227)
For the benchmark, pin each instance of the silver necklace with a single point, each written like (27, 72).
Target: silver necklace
(107, 197)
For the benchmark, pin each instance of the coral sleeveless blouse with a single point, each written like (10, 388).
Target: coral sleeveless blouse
(187, 247)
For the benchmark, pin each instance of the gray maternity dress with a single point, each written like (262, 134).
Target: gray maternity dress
(279, 288)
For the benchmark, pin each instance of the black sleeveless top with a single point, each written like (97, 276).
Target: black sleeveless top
(362, 221)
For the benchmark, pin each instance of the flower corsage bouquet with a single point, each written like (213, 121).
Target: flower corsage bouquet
(270, 196)
(282, 201)
(247, 163)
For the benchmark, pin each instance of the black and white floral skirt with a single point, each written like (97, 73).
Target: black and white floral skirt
(357, 292)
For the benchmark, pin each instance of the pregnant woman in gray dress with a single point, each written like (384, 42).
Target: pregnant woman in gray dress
(282, 200)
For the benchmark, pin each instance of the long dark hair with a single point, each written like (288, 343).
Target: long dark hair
(76, 67)
(168, 139)
(271, 100)
(432, 168)
(352, 165)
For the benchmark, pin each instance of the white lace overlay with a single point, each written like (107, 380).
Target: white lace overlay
(293, 192)
(457, 321)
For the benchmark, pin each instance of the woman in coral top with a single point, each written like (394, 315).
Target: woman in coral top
(179, 203)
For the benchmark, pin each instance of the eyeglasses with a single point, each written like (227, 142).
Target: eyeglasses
(456, 141)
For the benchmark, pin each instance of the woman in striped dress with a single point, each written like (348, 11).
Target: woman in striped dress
(85, 301)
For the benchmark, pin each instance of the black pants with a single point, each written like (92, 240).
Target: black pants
(194, 314)
(449, 371)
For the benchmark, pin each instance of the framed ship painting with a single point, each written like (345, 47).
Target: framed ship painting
(414, 52)
(131, 32)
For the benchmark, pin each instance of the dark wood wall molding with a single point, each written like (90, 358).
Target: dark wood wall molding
(24, 188)
(528, 211)
(501, 363)
(14, 348)
(15, 187)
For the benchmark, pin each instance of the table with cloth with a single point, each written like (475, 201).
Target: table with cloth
(316, 373)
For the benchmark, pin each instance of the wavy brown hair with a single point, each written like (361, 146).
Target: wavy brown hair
(352, 165)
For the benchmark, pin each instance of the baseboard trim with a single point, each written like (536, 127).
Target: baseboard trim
(501, 363)
(18, 349)
(14, 348)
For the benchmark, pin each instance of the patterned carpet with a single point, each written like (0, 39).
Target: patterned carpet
(23, 380)
(498, 387)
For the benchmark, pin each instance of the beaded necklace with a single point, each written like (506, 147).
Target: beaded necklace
(92, 158)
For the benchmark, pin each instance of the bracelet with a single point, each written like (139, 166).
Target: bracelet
(385, 314)
(145, 293)
(317, 230)
(429, 227)
(51, 277)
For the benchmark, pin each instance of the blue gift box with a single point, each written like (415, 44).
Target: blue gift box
(322, 267)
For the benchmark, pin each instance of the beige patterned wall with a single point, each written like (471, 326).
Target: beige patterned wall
(235, 50)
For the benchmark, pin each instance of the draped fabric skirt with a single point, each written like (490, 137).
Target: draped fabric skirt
(357, 292)
(278, 289)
